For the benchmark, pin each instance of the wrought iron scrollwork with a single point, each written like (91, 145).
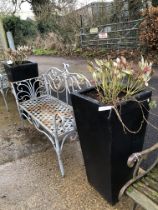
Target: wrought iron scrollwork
(63, 80)
(29, 88)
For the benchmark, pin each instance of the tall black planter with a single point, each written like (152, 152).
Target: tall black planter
(105, 146)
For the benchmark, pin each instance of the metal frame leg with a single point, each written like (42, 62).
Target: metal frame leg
(21, 117)
(5, 102)
(61, 166)
(58, 152)
(59, 146)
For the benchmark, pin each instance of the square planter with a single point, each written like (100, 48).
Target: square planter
(22, 71)
(105, 145)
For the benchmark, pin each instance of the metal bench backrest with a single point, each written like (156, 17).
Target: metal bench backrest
(62, 82)
(30, 88)
(56, 82)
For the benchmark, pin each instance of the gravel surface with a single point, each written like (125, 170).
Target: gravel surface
(34, 183)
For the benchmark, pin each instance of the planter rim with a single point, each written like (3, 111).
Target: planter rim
(138, 96)
(13, 66)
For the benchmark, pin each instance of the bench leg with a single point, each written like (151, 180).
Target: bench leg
(3, 95)
(61, 164)
(58, 152)
(21, 117)
(59, 147)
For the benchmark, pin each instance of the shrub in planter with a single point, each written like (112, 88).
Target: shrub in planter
(17, 66)
(111, 121)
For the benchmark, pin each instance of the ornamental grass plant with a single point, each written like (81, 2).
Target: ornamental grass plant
(119, 80)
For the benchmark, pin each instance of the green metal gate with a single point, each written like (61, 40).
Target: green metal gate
(112, 25)
(115, 35)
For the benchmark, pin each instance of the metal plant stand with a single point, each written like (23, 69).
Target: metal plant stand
(4, 86)
(47, 113)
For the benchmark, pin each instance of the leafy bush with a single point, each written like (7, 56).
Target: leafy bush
(155, 3)
(22, 30)
(44, 52)
(45, 26)
(149, 29)
(113, 78)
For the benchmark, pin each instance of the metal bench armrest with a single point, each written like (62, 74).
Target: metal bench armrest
(135, 160)
(136, 157)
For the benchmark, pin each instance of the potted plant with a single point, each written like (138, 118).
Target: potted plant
(111, 120)
(17, 66)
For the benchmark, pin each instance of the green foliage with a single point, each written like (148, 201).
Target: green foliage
(153, 104)
(155, 3)
(22, 30)
(44, 52)
(46, 25)
(119, 80)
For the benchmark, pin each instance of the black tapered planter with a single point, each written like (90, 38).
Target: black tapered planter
(23, 71)
(105, 145)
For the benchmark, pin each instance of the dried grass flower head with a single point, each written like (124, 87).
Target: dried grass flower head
(16, 57)
(118, 80)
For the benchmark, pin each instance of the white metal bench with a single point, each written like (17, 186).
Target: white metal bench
(4, 86)
(50, 115)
